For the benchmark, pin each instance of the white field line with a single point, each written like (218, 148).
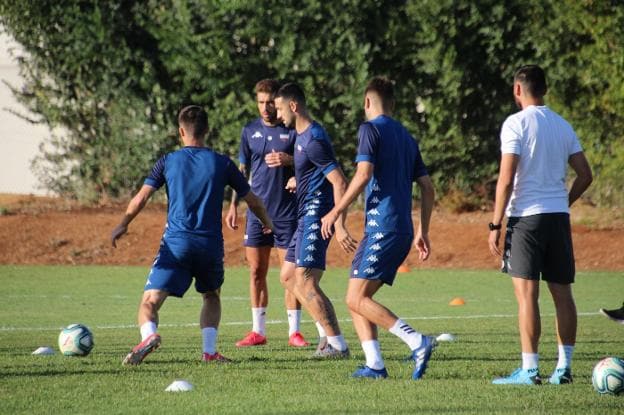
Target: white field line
(242, 323)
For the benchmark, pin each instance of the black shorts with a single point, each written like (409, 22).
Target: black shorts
(540, 244)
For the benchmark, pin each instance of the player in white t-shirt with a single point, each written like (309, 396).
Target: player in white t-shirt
(537, 145)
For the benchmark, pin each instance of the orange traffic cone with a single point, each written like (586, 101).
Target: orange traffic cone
(457, 301)
(403, 268)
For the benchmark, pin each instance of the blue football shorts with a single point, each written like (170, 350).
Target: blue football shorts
(179, 260)
(380, 254)
(280, 237)
(307, 248)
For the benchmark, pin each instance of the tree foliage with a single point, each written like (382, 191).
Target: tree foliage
(109, 77)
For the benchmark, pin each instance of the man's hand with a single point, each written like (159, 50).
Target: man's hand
(291, 185)
(423, 246)
(278, 159)
(347, 243)
(327, 224)
(493, 242)
(231, 217)
(117, 233)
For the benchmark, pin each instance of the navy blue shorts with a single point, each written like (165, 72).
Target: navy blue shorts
(379, 255)
(179, 260)
(307, 248)
(280, 237)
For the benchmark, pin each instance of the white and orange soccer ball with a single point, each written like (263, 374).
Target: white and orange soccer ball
(75, 340)
(608, 376)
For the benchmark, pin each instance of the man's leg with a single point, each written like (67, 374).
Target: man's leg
(529, 326)
(293, 311)
(566, 324)
(366, 331)
(147, 317)
(258, 259)
(209, 318)
(307, 290)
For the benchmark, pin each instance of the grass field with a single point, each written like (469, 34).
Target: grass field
(36, 301)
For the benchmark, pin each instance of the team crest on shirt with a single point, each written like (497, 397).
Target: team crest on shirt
(257, 134)
(299, 148)
(284, 137)
(270, 138)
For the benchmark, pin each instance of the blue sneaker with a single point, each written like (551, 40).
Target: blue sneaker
(366, 372)
(520, 377)
(421, 356)
(561, 376)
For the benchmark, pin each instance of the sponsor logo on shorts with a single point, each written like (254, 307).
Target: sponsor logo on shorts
(314, 226)
(372, 223)
(376, 187)
(312, 237)
(311, 212)
(378, 236)
(373, 212)
(309, 258)
(369, 270)
(375, 199)
(372, 258)
(375, 247)
(310, 248)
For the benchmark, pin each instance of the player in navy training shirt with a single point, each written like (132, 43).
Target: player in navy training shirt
(265, 154)
(320, 182)
(192, 244)
(388, 161)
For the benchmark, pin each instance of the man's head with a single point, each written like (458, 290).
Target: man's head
(193, 122)
(289, 101)
(378, 96)
(529, 81)
(265, 99)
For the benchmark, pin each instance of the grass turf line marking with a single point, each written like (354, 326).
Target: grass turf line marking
(242, 323)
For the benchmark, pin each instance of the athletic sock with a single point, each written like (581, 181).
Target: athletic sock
(530, 361)
(294, 318)
(321, 330)
(209, 338)
(337, 342)
(372, 351)
(147, 329)
(258, 318)
(565, 356)
(404, 332)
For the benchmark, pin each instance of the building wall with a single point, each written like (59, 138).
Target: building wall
(19, 139)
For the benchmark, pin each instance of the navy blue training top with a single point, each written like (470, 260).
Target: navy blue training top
(314, 159)
(269, 183)
(386, 143)
(196, 178)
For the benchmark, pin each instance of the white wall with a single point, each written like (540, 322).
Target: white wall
(19, 140)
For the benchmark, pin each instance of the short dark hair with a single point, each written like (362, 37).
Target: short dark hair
(194, 119)
(269, 86)
(533, 79)
(292, 92)
(384, 88)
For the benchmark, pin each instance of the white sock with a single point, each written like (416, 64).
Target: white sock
(404, 332)
(147, 329)
(258, 318)
(321, 330)
(565, 356)
(294, 318)
(530, 360)
(209, 338)
(337, 342)
(372, 351)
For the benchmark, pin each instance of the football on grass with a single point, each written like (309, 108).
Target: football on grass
(76, 340)
(608, 376)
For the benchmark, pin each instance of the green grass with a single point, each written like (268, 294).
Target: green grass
(36, 301)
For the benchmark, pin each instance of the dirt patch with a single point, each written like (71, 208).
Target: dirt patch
(36, 230)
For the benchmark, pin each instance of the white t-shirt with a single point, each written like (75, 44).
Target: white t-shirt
(544, 141)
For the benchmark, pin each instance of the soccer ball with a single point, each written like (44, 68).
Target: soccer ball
(75, 340)
(608, 376)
